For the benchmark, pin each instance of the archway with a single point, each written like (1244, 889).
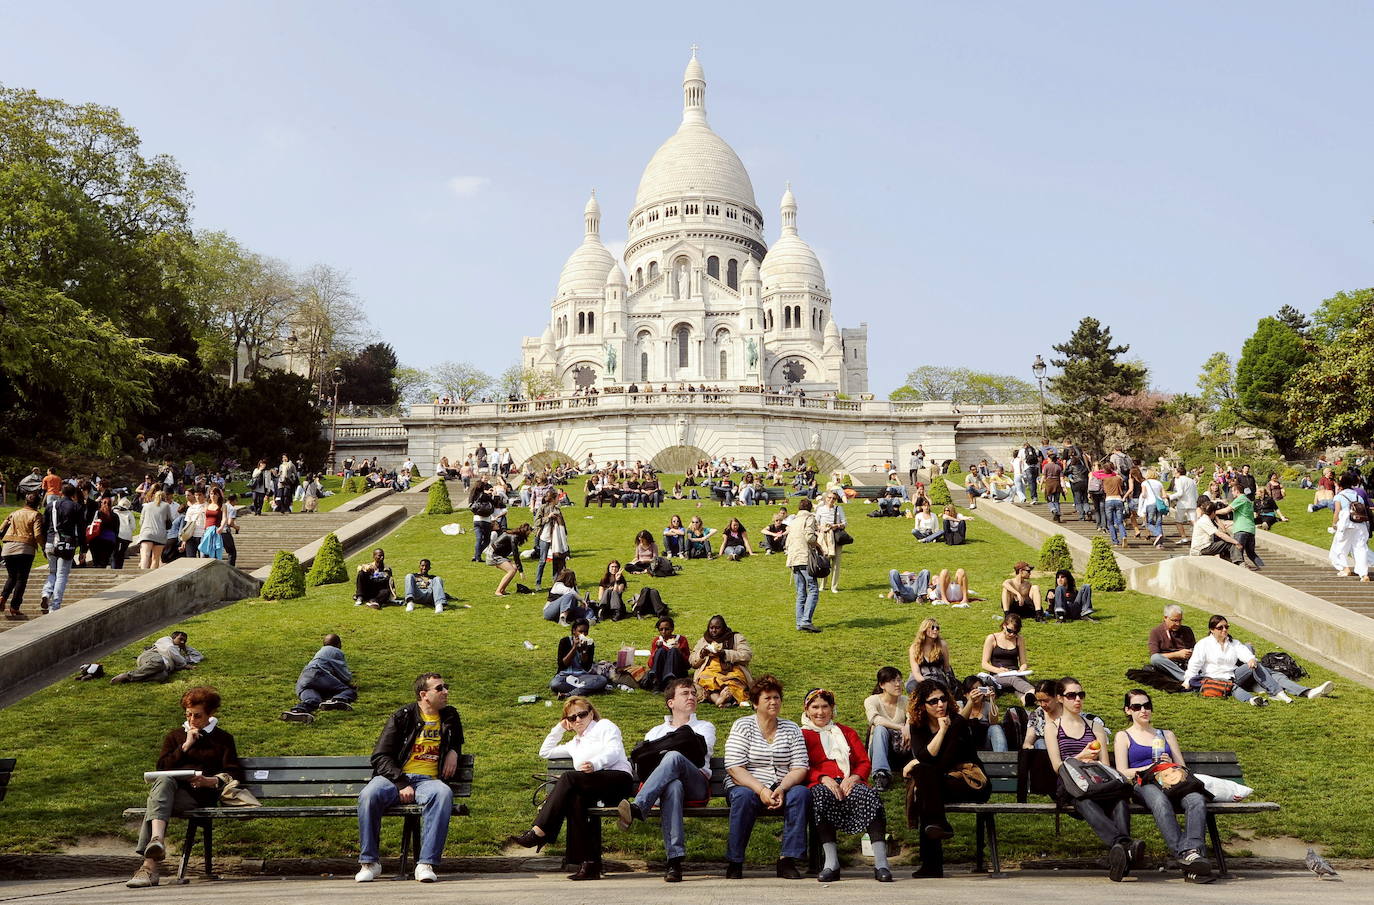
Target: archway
(545, 460)
(821, 462)
(677, 459)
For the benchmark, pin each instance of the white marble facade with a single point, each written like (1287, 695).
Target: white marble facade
(702, 299)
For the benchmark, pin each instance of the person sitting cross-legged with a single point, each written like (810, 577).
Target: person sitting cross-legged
(415, 756)
(676, 758)
(1171, 643)
(373, 584)
(1069, 602)
(326, 683)
(1020, 596)
(426, 587)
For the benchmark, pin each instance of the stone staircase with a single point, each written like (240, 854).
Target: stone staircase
(259, 539)
(1300, 574)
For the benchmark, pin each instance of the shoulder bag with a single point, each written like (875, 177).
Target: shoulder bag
(1090, 779)
(817, 563)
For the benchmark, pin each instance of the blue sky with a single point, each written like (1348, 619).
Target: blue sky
(974, 177)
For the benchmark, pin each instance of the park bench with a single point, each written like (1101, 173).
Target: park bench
(1011, 773)
(6, 771)
(557, 766)
(274, 780)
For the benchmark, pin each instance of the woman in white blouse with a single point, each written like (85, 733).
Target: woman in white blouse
(1221, 657)
(829, 522)
(601, 772)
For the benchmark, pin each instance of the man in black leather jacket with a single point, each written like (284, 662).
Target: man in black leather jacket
(414, 757)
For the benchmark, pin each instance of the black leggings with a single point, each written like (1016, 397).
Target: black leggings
(18, 566)
(571, 797)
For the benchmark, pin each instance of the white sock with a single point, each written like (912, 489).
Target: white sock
(879, 853)
(832, 855)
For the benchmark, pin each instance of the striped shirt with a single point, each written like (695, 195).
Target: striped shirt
(746, 747)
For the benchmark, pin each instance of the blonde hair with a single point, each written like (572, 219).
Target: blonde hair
(575, 702)
(928, 648)
(1151, 474)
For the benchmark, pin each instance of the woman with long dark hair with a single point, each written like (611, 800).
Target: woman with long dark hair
(721, 658)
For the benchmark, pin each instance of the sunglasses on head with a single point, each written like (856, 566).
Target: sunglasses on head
(931, 702)
(578, 716)
(1138, 707)
(1076, 695)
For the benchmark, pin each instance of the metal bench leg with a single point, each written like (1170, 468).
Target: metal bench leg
(410, 834)
(1218, 853)
(992, 846)
(978, 866)
(208, 831)
(186, 851)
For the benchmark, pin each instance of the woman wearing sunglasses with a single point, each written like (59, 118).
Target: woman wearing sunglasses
(1070, 735)
(601, 772)
(1138, 749)
(1221, 657)
(946, 769)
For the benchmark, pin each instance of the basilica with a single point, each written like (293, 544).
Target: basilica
(702, 298)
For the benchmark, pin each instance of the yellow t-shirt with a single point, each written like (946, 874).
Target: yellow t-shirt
(424, 754)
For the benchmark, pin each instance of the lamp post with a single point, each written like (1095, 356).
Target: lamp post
(1038, 368)
(334, 418)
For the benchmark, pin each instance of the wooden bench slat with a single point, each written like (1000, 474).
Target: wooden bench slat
(330, 775)
(323, 761)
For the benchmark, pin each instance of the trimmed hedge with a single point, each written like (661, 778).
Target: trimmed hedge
(328, 567)
(939, 494)
(287, 581)
(439, 501)
(1103, 572)
(953, 467)
(1054, 555)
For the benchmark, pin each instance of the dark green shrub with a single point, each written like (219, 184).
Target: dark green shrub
(328, 567)
(439, 501)
(953, 467)
(939, 494)
(287, 580)
(1054, 555)
(1103, 572)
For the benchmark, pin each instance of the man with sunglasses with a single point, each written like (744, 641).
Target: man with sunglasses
(415, 756)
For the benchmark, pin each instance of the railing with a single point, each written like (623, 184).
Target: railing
(393, 431)
(980, 418)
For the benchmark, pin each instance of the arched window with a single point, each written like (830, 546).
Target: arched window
(643, 366)
(713, 267)
(683, 336)
(796, 317)
(581, 322)
(653, 271)
(724, 370)
(591, 321)
(639, 277)
(732, 274)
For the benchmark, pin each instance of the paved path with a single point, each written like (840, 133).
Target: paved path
(758, 888)
(1299, 574)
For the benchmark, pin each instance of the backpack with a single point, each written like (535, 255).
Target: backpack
(648, 602)
(1359, 510)
(1281, 662)
(1014, 723)
(661, 567)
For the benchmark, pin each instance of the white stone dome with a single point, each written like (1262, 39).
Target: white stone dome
(616, 277)
(586, 269)
(789, 262)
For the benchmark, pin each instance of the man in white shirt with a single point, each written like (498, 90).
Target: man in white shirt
(676, 779)
(1184, 498)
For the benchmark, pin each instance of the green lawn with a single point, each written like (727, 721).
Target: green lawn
(1305, 755)
(1309, 527)
(331, 483)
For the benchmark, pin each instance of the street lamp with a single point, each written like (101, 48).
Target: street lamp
(1038, 368)
(334, 417)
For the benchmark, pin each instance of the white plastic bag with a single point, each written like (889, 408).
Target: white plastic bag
(1224, 789)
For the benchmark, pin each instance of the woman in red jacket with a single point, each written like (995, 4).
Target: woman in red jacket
(841, 798)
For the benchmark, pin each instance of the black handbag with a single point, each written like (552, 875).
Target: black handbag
(1090, 779)
(817, 563)
(843, 538)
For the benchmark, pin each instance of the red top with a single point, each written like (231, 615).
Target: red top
(212, 517)
(658, 645)
(859, 764)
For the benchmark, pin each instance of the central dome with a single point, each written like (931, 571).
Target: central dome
(694, 160)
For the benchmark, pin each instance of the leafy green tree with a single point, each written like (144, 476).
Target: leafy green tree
(1268, 359)
(1217, 391)
(1343, 311)
(369, 376)
(460, 380)
(962, 385)
(286, 580)
(939, 494)
(1294, 320)
(1093, 385)
(526, 383)
(439, 502)
(412, 384)
(274, 414)
(1330, 400)
(1054, 555)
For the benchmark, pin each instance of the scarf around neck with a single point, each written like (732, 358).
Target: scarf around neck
(832, 741)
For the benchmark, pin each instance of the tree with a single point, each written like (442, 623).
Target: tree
(274, 414)
(460, 380)
(1054, 555)
(245, 301)
(965, 386)
(327, 321)
(439, 502)
(1271, 356)
(369, 376)
(1217, 391)
(1330, 400)
(527, 383)
(412, 384)
(1294, 320)
(1343, 311)
(328, 567)
(286, 581)
(1092, 385)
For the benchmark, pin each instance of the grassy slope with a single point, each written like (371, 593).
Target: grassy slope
(1309, 527)
(255, 650)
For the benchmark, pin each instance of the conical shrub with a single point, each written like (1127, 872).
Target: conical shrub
(287, 581)
(1054, 555)
(953, 467)
(1103, 572)
(328, 567)
(939, 494)
(439, 501)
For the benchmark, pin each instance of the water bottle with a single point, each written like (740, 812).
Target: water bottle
(1158, 749)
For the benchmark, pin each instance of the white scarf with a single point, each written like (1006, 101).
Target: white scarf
(209, 727)
(832, 741)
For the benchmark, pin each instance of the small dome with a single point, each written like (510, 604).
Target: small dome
(789, 262)
(546, 341)
(592, 207)
(616, 277)
(832, 334)
(751, 270)
(586, 269)
(694, 72)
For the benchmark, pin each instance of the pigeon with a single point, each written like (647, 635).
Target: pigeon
(1319, 866)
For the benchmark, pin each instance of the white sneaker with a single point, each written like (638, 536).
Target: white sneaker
(1320, 690)
(358, 601)
(1282, 696)
(1258, 701)
(438, 607)
(410, 606)
(367, 873)
(424, 873)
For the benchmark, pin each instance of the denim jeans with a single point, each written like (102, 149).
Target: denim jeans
(433, 795)
(1031, 476)
(808, 592)
(541, 553)
(481, 533)
(674, 781)
(1271, 682)
(560, 605)
(1111, 826)
(311, 695)
(578, 683)
(55, 586)
(1052, 497)
(432, 595)
(1116, 520)
(1154, 520)
(1173, 668)
(1081, 504)
(1247, 546)
(1194, 817)
(672, 544)
(745, 808)
(909, 593)
(883, 750)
